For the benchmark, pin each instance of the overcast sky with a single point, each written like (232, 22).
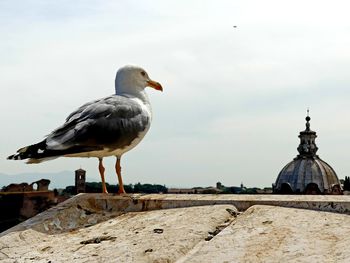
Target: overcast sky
(234, 99)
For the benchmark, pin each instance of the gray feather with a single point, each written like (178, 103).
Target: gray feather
(112, 122)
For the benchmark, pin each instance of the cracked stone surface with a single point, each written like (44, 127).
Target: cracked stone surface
(152, 236)
(277, 234)
(184, 228)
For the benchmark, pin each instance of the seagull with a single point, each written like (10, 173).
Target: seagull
(105, 127)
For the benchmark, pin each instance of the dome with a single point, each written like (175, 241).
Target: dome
(302, 174)
(307, 173)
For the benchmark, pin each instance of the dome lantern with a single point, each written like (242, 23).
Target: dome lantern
(307, 146)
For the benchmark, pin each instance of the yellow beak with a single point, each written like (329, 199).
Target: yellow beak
(155, 85)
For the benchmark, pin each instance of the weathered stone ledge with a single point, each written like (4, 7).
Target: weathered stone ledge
(328, 203)
(88, 209)
(198, 228)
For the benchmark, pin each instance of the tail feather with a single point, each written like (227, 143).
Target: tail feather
(33, 152)
(39, 152)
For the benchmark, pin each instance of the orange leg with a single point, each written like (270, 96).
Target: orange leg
(102, 173)
(118, 169)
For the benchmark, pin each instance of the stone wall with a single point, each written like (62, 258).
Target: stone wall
(18, 207)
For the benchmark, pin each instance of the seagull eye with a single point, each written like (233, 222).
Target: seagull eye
(143, 73)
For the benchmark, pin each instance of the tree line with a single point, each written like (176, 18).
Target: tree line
(95, 187)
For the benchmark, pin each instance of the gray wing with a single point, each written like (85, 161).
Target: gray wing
(112, 122)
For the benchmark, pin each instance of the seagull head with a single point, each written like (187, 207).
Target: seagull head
(130, 79)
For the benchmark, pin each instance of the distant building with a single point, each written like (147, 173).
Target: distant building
(307, 173)
(219, 185)
(80, 180)
(19, 202)
(41, 185)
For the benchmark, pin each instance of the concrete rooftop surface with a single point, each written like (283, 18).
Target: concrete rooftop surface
(184, 228)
